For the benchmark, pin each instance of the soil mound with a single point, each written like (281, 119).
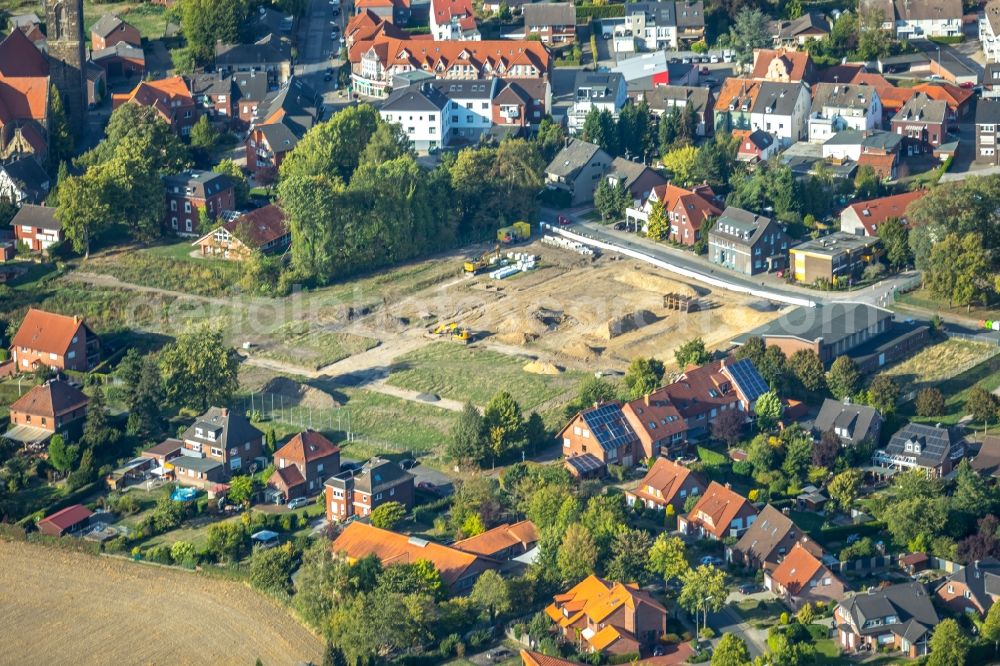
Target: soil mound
(656, 283)
(541, 368)
(299, 394)
(633, 321)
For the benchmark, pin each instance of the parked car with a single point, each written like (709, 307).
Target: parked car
(563, 220)
(711, 559)
(705, 70)
(298, 503)
(714, 59)
(428, 486)
(499, 654)
(620, 226)
(408, 463)
(749, 588)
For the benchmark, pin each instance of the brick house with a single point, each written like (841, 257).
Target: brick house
(521, 103)
(748, 243)
(503, 542)
(802, 578)
(601, 432)
(771, 537)
(261, 230)
(600, 617)
(120, 61)
(554, 22)
(852, 423)
(635, 177)
(110, 30)
(219, 444)
(987, 131)
(973, 588)
(922, 122)
(303, 464)
(900, 617)
(58, 341)
(169, 97)
(359, 493)
(663, 99)
(865, 217)
(720, 513)
(193, 191)
(667, 483)
(686, 210)
(216, 94)
(252, 89)
(37, 227)
(54, 407)
(282, 119)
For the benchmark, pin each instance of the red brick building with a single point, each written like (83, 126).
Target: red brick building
(54, 407)
(58, 341)
(217, 445)
(110, 30)
(973, 588)
(521, 103)
(667, 483)
(359, 493)
(169, 97)
(686, 210)
(721, 512)
(281, 120)
(37, 227)
(193, 191)
(802, 578)
(922, 122)
(600, 433)
(303, 464)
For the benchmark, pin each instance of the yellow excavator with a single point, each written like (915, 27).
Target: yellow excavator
(479, 264)
(458, 334)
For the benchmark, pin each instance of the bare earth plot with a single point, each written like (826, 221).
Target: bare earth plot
(70, 608)
(935, 363)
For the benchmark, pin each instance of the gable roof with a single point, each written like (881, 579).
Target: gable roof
(722, 505)
(981, 579)
(690, 14)
(106, 25)
(51, 399)
(987, 461)
(68, 517)
(699, 203)
(290, 476)
(662, 98)
(573, 157)
(306, 447)
(529, 658)
(360, 540)
(843, 96)
(810, 23)
(608, 425)
(668, 477)
(737, 93)
(952, 95)
(874, 212)
(459, 11)
(908, 602)
(741, 225)
(40, 217)
(595, 601)
(379, 474)
(47, 332)
(500, 538)
(552, 14)
(629, 172)
(853, 419)
(417, 97)
(797, 569)
(794, 65)
(830, 323)
(935, 444)
(987, 112)
(284, 116)
(921, 108)
(231, 427)
(198, 183)
(771, 531)
(258, 227)
(778, 98)
(496, 55)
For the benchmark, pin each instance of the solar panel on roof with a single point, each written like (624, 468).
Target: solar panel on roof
(749, 381)
(608, 425)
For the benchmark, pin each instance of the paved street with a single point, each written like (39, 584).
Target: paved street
(728, 621)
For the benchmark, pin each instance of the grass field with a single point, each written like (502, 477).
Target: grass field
(469, 374)
(922, 298)
(935, 363)
(304, 345)
(62, 607)
(168, 269)
(956, 389)
(151, 20)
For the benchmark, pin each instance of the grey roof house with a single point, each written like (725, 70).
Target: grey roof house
(24, 181)
(577, 169)
(664, 99)
(636, 177)
(933, 449)
(973, 588)
(748, 243)
(768, 540)
(900, 615)
(851, 422)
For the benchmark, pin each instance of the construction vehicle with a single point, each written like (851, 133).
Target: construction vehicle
(462, 335)
(456, 332)
(445, 328)
(477, 265)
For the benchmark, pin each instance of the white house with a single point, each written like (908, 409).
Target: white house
(989, 31)
(23, 181)
(840, 106)
(653, 25)
(604, 91)
(919, 19)
(781, 110)
(852, 144)
(470, 106)
(422, 111)
(453, 20)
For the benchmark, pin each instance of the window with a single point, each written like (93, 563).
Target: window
(173, 205)
(216, 452)
(187, 206)
(566, 442)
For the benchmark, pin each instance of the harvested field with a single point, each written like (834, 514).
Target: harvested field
(935, 363)
(70, 608)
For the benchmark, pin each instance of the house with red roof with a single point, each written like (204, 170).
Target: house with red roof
(303, 464)
(783, 66)
(958, 99)
(169, 97)
(24, 97)
(613, 619)
(597, 437)
(686, 210)
(503, 542)
(667, 483)
(864, 217)
(58, 341)
(68, 521)
(368, 25)
(280, 121)
(453, 20)
(802, 578)
(721, 512)
(54, 407)
(261, 230)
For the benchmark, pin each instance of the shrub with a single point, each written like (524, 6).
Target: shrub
(159, 554)
(449, 645)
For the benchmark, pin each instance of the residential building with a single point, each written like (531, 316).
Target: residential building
(919, 19)
(110, 30)
(459, 570)
(453, 20)
(875, 148)
(367, 25)
(24, 95)
(522, 103)
(553, 22)
(838, 256)
(667, 483)
(865, 217)
(973, 588)
(989, 32)
(54, 340)
(802, 578)
(602, 432)
(576, 169)
(667, 419)
(37, 227)
(987, 460)
(797, 32)
(864, 332)
(66, 522)
(782, 110)
(282, 119)
(263, 230)
(53, 407)
(612, 619)
(892, 97)
(119, 61)
(901, 616)
(958, 99)
(164, 452)
(303, 464)
(733, 104)
(251, 91)
(638, 179)
(358, 493)
(987, 131)
(421, 110)
(396, 12)
(529, 658)
(720, 513)
(374, 62)
(603, 91)
(837, 107)
(270, 55)
(192, 193)
(24, 181)
(652, 25)
(216, 94)
(935, 450)
(31, 26)
(219, 444)
(690, 21)
(783, 66)
(469, 113)
(755, 146)
(686, 210)
(768, 540)
(503, 542)
(850, 422)
(748, 243)
(648, 71)
(700, 101)
(169, 97)
(922, 122)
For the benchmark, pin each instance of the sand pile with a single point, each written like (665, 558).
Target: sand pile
(581, 350)
(640, 279)
(541, 368)
(530, 327)
(299, 395)
(627, 323)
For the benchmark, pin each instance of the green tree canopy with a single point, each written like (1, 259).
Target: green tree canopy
(199, 370)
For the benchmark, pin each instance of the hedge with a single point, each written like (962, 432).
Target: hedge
(585, 13)
(68, 500)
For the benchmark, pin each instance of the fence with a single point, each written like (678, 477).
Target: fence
(864, 565)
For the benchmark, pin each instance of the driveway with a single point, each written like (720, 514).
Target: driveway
(728, 621)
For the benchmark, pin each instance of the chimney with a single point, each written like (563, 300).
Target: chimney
(225, 411)
(645, 399)
(729, 486)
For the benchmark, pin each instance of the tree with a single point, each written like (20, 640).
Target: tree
(60, 134)
(183, 552)
(333, 656)
(504, 421)
(750, 30)
(826, 450)
(228, 541)
(895, 237)
(491, 595)
(83, 209)
(204, 23)
(643, 376)
(204, 137)
(844, 378)
(144, 401)
(873, 41)
(599, 128)
(387, 143)
(883, 394)
(199, 369)
(957, 269)
(333, 149)
(990, 629)
(635, 123)
(692, 352)
(982, 405)
(270, 568)
(241, 192)
(753, 349)
(550, 138)
(467, 442)
(768, 410)
(680, 163)
(611, 199)
(772, 366)
(703, 589)
(867, 184)
(419, 577)
(473, 525)
(731, 651)
(388, 515)
(949, 645)
(728, 426)
(373, 625)
(62, 456)
(798, 454)
(658, 228)
(930, 402)
(667, 558)
(577, 554)
(805, 366)
(629, 550)
(97, 434)
(242, 489)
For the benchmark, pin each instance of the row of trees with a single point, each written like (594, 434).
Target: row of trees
(478, 438)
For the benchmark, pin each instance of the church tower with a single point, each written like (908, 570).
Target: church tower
(64, 28)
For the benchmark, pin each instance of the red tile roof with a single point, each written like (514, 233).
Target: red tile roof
(796, 570)
(874, 212)
(699, 203)
(795, 65)
(719, 505)
(735, 91)
(667, 477)
(307, 446)
(529, 658)
(51, 399)
(68, 517)
(290, 476)
(494, 57)
(500, 538)
(24, 80)
(955, 96)
(259, 227)
(892, 98)
(46, 332)
(445, 10)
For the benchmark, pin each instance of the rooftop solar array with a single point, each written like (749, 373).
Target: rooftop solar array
(935, 443)
(747, 379)
(585, 463)
(609, 426)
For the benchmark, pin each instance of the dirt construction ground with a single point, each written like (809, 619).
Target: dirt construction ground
(70, 608)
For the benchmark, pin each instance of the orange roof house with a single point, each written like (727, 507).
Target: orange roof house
(802, 578)
(459, 569)
(169, 97)
(367, 25)
(58, 341)
(503, 542)
(864, 217)
(721, 512)
(959, 100)
(666, 483)
(529, 658)
(24, 97)
(893, 98)
(608, 618)
(303, 464)
(783, 66)
(55, 406)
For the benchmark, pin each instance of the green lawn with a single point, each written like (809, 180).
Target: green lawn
(169, 268)
(469, 374)
(756, 610)
(710, 457)
(956, 391)
(195, 532)
(151, 20)
(305, 344)
(922, 298)
(808, 521)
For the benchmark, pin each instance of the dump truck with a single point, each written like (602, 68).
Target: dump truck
(515, 233)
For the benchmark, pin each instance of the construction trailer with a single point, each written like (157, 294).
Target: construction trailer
(515, 233)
